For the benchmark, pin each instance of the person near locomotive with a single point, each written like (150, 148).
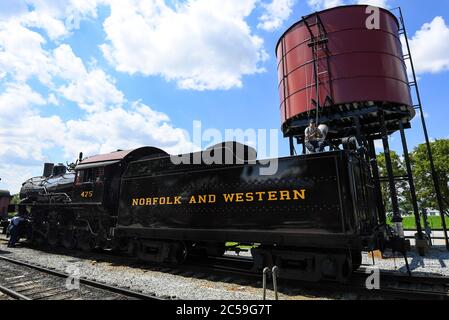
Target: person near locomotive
(314, 138)
(15, 230)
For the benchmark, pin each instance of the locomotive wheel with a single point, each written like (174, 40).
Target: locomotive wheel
(68, 239)
(37, 239)
(85, 241)
(53, 237)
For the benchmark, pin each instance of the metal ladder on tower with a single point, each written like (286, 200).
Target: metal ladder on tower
(418, 106)
(319, 44)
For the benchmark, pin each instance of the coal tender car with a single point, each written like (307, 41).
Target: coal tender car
(312, 218)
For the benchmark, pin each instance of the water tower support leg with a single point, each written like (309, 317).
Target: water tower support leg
(292, 147)
(376, 178)
(421, 243)
(411, 182)
(397, 219)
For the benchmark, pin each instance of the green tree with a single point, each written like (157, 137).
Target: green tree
(15, 199)
(402, 187)
(423, 176)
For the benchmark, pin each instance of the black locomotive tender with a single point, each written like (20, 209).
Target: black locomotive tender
(312, 219)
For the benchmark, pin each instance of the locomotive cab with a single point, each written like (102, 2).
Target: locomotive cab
(89, 184)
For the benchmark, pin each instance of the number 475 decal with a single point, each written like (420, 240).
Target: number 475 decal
(87, 194)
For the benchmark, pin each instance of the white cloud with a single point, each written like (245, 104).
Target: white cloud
(324, 4)
(27, 137)
(23, 133)
(110, 130)
(57, 18)
(430, 47)
(200, 44)
(14, 175)
(377, 3)
(276, 12)
(21, 53)
(92, 90)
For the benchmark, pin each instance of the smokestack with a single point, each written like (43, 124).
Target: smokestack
(48, 169)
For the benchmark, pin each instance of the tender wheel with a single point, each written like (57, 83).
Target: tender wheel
(347, 269)
(181, 253)
(356, 260)
(134, 249)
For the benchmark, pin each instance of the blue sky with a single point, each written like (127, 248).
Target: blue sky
(96, 76)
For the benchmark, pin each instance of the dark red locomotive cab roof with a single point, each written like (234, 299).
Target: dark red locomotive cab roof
(102, 160)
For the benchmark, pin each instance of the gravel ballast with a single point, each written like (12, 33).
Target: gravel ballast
(165, 284)
(436, 262)
(148, 281)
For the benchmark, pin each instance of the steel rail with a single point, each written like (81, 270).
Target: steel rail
(239, 267)
(92, 283)
(13, 294)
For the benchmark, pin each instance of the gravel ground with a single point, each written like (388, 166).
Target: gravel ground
(189, 288)
(436, 262)
(148, 281)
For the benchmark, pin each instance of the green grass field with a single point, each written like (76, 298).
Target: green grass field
(435, 222)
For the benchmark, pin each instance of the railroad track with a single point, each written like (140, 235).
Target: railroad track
(238, 270)
(23, 281)
(392, 285)
(406, 287)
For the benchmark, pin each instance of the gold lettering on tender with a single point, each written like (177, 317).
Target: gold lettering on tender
(212, 198)
(142, 201)
(162, 201)
(272, 196)
(192, 200)
(202, 199)
(177, 200)
(135, 202)
(285, 195)
(299, 194)
(260, 195)
(250, 197)
(228, 197)
(148, 202)
(239, 197)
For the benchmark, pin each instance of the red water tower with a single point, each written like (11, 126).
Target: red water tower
(335, 66)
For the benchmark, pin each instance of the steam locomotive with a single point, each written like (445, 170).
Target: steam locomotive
(312, 218)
